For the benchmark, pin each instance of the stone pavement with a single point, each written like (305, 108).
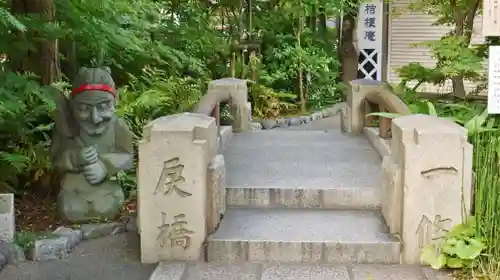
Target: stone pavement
(107, 258)
(256, 271)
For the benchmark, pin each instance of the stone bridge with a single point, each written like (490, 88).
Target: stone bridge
(340, 196)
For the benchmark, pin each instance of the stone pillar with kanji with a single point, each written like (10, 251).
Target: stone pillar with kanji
(426, 185)
(172, 186)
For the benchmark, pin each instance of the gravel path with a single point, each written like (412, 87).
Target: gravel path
(107, 258)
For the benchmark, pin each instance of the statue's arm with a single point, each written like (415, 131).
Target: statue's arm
(62, 155)
(123, 156)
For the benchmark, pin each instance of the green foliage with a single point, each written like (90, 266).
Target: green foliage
(456, 57)
(269, 103)
(27, 239)
(486, 163)
(162, 55)
(26, 111)
(155, 94)
(460, 248)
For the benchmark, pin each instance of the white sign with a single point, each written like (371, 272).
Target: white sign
(370, 39)
(370, 24)
(494, 80)
(491, 18)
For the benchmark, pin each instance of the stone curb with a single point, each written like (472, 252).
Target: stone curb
(60, 243)
(279, 271)
(268, 124)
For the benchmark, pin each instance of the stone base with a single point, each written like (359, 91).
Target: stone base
(79, 201)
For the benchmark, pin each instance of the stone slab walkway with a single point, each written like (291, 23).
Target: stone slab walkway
(254, 271)
(107, 258)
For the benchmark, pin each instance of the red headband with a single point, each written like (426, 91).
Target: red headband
(100, 87)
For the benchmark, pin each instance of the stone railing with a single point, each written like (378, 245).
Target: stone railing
(369, 96)
(426, 174)
(230, 90)
(181, 175)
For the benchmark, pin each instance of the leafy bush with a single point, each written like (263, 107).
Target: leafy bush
(269, 103)
(460, 248)
(26, 119)
(155, 94)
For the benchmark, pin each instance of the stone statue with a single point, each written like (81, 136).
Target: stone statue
(89, 145)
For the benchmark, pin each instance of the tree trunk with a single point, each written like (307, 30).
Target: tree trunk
(322, 23)
(464, 23)
(349, 57)
(43, 60)
(303, 104)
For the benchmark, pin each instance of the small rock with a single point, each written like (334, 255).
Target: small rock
(3, 261)
(294, 121)
(269, 123)
(282, 122)
(317, 116)
(120, 228)
(131, 225)
(50, 249)
(17, 253)
(74, 236)
(305, 119)
(5, 249)
(255, 126)
(91, 231)
(326, 113)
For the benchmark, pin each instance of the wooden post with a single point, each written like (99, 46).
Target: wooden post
(233, 65)
(384, 126)
(369, 108)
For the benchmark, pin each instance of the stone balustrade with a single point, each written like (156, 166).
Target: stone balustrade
(426, 183)
(181, 175)
(228, 89)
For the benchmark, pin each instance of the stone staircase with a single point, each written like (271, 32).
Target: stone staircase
(302, 196)
(301, 204)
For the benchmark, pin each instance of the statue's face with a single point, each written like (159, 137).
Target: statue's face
(94, 110)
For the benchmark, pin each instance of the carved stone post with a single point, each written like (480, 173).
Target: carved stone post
(7, 217)
(426, 181)
(353, 117)
(238, 91)
(172, 186)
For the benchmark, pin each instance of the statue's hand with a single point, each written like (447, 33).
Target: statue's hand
(87, 156)
(94, 173)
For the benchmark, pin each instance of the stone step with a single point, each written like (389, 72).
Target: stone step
(337, 198)
(300, 169)
(259, 271)
(302, 235)
(288, 138)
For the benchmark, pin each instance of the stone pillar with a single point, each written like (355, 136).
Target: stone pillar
(426, 181)
(7, 217)
(238, 91)
(172, 186)
(353, 117)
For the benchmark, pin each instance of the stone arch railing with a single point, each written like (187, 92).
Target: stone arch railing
(426, 185)
(181, 174)
(234, 91)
